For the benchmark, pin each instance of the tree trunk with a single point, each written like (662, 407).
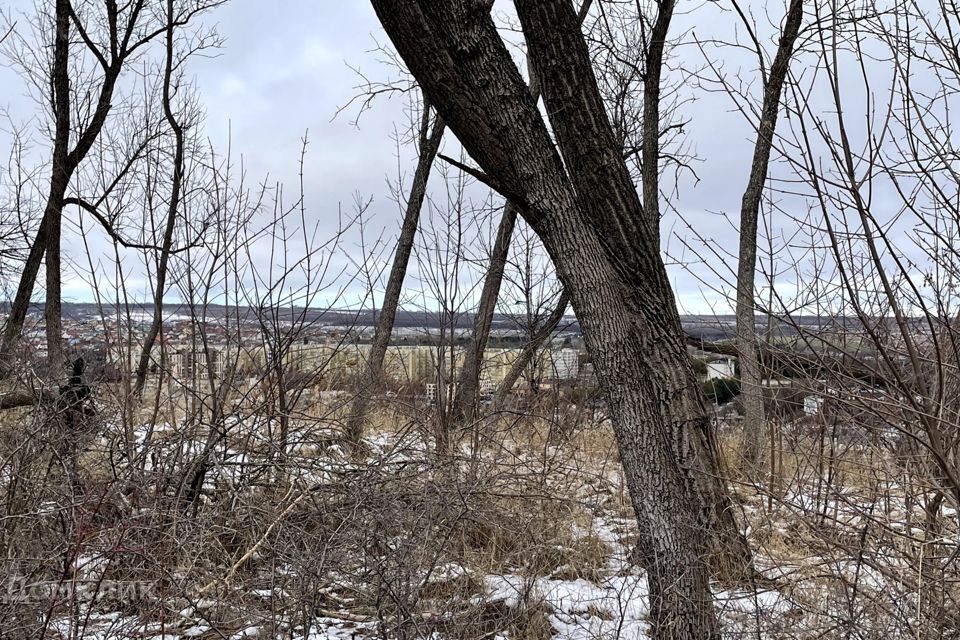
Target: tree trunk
(751, 375)
(63, 164)
(60, 176)
(53, 301)
(650, 169)
(468, 385)
(429, 147)
(173, 208)
(585, 209)
(21, 301)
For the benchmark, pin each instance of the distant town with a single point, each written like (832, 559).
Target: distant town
(328, 348)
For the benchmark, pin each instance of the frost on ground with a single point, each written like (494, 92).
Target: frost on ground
(612, 605)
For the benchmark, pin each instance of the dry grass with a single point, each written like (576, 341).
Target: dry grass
(403, 539)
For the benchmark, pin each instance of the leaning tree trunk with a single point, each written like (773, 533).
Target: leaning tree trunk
(585, 209)
(468, 384)
(28, 277)
(429, 147)
(173, 207)
(64, 163)
(750, 369)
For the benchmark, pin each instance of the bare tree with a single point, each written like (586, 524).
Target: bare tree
(60, 174)
(750, 370)
(113, 37)
(588, 214)
(468, 383)
(903, 326)
(173, 201)
(429, 145)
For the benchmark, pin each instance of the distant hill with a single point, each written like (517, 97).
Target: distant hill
(708, 328)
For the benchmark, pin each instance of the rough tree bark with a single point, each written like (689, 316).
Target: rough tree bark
(59, 179)
(650, 143)
(750, 367)
(586, 210)
(429, 147)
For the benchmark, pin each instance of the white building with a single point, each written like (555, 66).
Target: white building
(187, 363)
(812, 405)
(721, 368)
(487, 386)
(566, 364)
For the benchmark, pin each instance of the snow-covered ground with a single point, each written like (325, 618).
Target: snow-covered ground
(835, 562)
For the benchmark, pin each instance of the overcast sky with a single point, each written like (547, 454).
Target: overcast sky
(287, 66)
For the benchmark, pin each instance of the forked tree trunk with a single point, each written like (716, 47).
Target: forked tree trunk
(373, 377)
(64, 163)
(751, 374)
(585, 209)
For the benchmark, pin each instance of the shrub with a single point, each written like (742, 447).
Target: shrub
(721, 390)
(699, 367)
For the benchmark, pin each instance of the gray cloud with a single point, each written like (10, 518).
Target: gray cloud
(285, 68)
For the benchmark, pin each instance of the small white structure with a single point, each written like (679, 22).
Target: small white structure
(487, 387)
(566, 364)
(721, 368)
(812, 405)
